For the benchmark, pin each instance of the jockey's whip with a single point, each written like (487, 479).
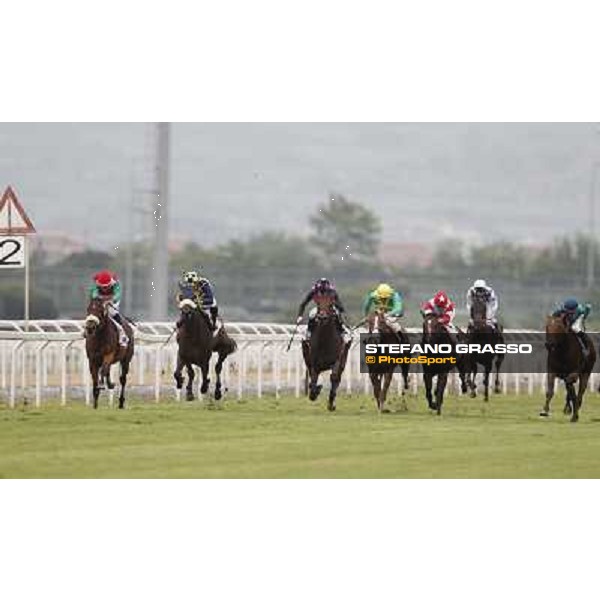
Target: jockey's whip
(359, 324)
(292, 338)
(169, 338)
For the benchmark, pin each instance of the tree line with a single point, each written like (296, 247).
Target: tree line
(264, 276)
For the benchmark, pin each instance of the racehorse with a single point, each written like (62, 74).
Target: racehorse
(482, 333)
(435, 332)
(381, 375)
(196, 344)
(567, 361)
(103, 349)
(325, 350)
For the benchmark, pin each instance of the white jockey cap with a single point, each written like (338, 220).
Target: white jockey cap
(480, 283)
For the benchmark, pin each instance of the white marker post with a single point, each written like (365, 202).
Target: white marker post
(15, 226)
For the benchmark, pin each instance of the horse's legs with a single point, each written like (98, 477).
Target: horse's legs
(550, 384)
(94, 369)
(573, 399)
(463, 374)
(472, 378)
(177, 374)
(387, 380)
(405, 369)
(105, 376)
(123, 381)
(313, 388)
(334, 379)
(583, 381)
(376, 382)
(218, 369)
(442, 378)
(499, 360)
(428, 381)
(336, 374)
(205, 380)
(189, 388)
(486, 382)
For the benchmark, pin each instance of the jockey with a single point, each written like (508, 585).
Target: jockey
(385, 298)
(441, 306)
(322, 291)
(480, 289)
(575, 315)
(201, 291)
(107, 287)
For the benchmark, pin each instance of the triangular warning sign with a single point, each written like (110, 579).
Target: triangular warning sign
(13, 218)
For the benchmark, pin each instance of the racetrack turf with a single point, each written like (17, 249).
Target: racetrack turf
(289, 437)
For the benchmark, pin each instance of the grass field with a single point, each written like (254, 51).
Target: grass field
(290, 437)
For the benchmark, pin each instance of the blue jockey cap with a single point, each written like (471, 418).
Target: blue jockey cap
(571, 304)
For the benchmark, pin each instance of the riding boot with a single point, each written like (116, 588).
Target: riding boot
(123, 339)
(214, 313)
(309, 328)
(583, 340)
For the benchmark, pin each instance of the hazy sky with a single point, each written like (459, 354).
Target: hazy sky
(478, 181)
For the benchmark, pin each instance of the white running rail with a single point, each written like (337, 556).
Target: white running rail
(47, 361)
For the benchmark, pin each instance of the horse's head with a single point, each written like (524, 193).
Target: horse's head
(376, 321)
(96, 316)
(188, 309)
(479, 313)
(432, 327)
(372, 321)
(556, 330)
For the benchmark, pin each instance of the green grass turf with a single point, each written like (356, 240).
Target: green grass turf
(292, 437)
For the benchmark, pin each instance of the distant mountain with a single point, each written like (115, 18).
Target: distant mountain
(526, 182)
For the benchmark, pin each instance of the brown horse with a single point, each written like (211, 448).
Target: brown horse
(103, 349)
(195, 347)
(381, 375)
(435, 332)
(567, 361)
(480, 332)
(325, 350)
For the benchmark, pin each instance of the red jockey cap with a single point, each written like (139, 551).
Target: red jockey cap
(104, 278)
(441, 299)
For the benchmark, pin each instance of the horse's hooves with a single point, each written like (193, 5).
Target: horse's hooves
(190, 397)
(331, 407)
(574, 418)
(473, 394)
(544, 413)
(110, 386)
(218, 395)
(567, 410)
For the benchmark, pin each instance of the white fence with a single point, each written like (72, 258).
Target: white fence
(48, 362)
